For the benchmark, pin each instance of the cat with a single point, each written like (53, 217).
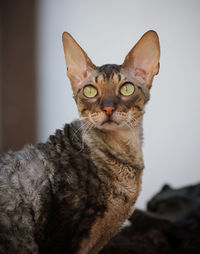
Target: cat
(74, 192)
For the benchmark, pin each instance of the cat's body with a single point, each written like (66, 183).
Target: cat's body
(74, 192)
(55, 194)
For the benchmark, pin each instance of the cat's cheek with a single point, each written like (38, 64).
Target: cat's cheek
(109, 126)
(80, 105)
(83, 108)
(85, 113)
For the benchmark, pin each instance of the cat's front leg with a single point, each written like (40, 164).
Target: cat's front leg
(104, 228)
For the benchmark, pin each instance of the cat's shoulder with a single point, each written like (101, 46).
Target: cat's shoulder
(33, 157)
(27, 158)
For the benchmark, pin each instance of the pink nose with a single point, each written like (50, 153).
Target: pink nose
(109, 110)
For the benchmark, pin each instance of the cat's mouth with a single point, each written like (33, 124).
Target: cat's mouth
(103, 121)
(109, 122)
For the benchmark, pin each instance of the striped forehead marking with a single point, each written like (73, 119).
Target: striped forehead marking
(109, 72)
(115, 77)
(99, 79)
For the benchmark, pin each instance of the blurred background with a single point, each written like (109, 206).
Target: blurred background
(36, 97)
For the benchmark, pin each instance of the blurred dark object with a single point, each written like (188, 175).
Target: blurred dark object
(181, 206)
(17, 74)
(172, 226)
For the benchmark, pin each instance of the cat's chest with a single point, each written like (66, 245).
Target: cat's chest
(120, 205)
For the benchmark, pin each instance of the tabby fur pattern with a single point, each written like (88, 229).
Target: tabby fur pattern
(74, 192)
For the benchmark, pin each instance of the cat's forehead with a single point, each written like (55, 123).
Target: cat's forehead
(108, 73)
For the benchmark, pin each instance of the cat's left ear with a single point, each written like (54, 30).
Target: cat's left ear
(78, 63)
(143, 58)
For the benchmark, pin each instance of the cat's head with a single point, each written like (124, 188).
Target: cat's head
(113, 96)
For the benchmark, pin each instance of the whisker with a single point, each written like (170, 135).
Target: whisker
(85, 131)
(84, 117)
(88, 127)
(132, 121)
(128, 125)
(91, 120)
(82, 126)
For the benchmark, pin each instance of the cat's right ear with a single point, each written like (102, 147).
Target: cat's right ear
(78, 63)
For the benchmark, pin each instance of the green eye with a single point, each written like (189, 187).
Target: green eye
(90, 91)
(127, 89)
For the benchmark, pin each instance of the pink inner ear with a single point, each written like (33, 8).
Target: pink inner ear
(77, 61)
(143, 59)
(85, 74)
(140, 72)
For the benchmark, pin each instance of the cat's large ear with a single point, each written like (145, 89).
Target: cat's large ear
(78, 63)
(143, 58)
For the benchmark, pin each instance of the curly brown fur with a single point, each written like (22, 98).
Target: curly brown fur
(74, 192)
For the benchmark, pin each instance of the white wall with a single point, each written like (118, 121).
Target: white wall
(107, 29)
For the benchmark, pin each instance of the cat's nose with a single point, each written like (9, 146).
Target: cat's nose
(108, 110)
(108, 105)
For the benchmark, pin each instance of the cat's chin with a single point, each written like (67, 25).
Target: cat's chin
(111, 126)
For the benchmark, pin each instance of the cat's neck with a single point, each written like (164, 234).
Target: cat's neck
(129, 138)
(121, 144)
